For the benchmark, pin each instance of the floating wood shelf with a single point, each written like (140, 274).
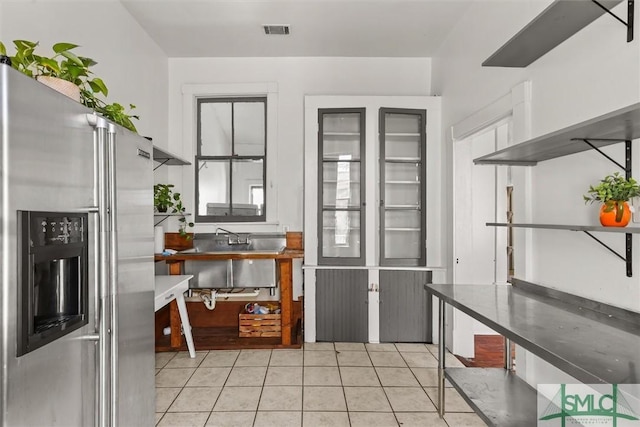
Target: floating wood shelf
(612, 128)
(558, 22)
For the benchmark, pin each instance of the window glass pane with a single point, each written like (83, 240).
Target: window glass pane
(402, 234)
(341, 234)
(348, 123)
(402, 123)
(249, 127)
(402, 220)
(402, 172)
(335, 147)
(341, 184)
(215, 128)
(341, 136)
(404, 195)
(401, 244)
(213, 191)
(402, 147)
(246, 175)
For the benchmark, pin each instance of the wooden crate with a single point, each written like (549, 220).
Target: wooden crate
(260, 325)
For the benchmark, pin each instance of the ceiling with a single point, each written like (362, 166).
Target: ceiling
(352, 28)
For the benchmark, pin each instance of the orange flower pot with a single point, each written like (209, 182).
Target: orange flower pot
(614, 218)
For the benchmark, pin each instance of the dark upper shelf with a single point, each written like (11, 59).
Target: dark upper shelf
(614, 127)
(167, 158)
(558, 22)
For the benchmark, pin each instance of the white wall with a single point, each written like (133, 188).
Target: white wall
(594, 72)
(590, 74)
(131, 64)
(293, 78)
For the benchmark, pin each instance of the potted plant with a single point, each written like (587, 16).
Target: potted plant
(614, 191)
(69, 74)
(165, 200)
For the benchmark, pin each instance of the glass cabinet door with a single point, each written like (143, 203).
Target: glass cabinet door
(402, 186)
(341, 186)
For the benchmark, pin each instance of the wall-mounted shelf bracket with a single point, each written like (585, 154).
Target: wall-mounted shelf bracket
(161, 220)
(161, 163)
(626, 259)
(164, 216)
(627, 173)
(587, 229)
(628, 23)
(627, 152)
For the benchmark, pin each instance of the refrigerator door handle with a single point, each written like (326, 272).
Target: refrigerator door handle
(103, 292)
(90, 209)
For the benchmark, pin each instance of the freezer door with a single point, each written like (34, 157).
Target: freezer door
(47, 158)
(134, 385)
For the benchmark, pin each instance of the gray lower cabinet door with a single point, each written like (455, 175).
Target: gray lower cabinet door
(405, 307)
(341, 305)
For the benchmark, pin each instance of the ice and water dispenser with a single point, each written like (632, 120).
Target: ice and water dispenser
(53, 276)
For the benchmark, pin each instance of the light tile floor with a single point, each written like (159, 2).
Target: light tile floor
(324, 384)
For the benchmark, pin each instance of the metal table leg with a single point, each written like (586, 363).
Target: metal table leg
(508, 360)
(441, 356)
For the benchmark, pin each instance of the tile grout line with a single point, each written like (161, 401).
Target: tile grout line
(382, 386)
(270, 359)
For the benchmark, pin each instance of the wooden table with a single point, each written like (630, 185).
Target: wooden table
(172, 288)
(284, 264)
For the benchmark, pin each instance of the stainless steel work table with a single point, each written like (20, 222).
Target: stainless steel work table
(591, 341)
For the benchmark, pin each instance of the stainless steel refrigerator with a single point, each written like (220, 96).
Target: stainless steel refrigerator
(76, 229)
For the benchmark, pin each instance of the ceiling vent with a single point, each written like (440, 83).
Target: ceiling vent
(282, 30)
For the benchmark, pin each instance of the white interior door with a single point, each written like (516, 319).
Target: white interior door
(479, 250)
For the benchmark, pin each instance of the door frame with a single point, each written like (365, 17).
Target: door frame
(515, 105)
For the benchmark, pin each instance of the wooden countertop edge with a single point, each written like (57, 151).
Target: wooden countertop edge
(287, 254)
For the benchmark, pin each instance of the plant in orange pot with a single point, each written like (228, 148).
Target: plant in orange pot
(614, 192)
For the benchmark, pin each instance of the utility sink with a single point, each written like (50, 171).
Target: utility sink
(265, 245)
(234, 273)
(234, 249)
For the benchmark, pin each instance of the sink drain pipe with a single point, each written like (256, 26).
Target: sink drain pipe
(209, 300)
(209, 296)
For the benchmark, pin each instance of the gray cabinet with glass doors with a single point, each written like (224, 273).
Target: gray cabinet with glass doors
(402, 186)
(341, 192)
(341, 198)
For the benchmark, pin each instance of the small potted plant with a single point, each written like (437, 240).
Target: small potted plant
(69, 74)
(614, 191)
(165, 200)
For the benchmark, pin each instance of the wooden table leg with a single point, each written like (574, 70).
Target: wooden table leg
(175, 268)
(174, 322)
(286, 298)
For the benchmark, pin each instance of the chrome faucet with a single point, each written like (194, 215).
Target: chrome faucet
(238, 240)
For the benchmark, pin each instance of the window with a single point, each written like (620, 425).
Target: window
(231, 159)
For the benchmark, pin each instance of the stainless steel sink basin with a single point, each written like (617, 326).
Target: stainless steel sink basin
(233, 249)
(242, 273)
(257, 244)
(243, 249)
